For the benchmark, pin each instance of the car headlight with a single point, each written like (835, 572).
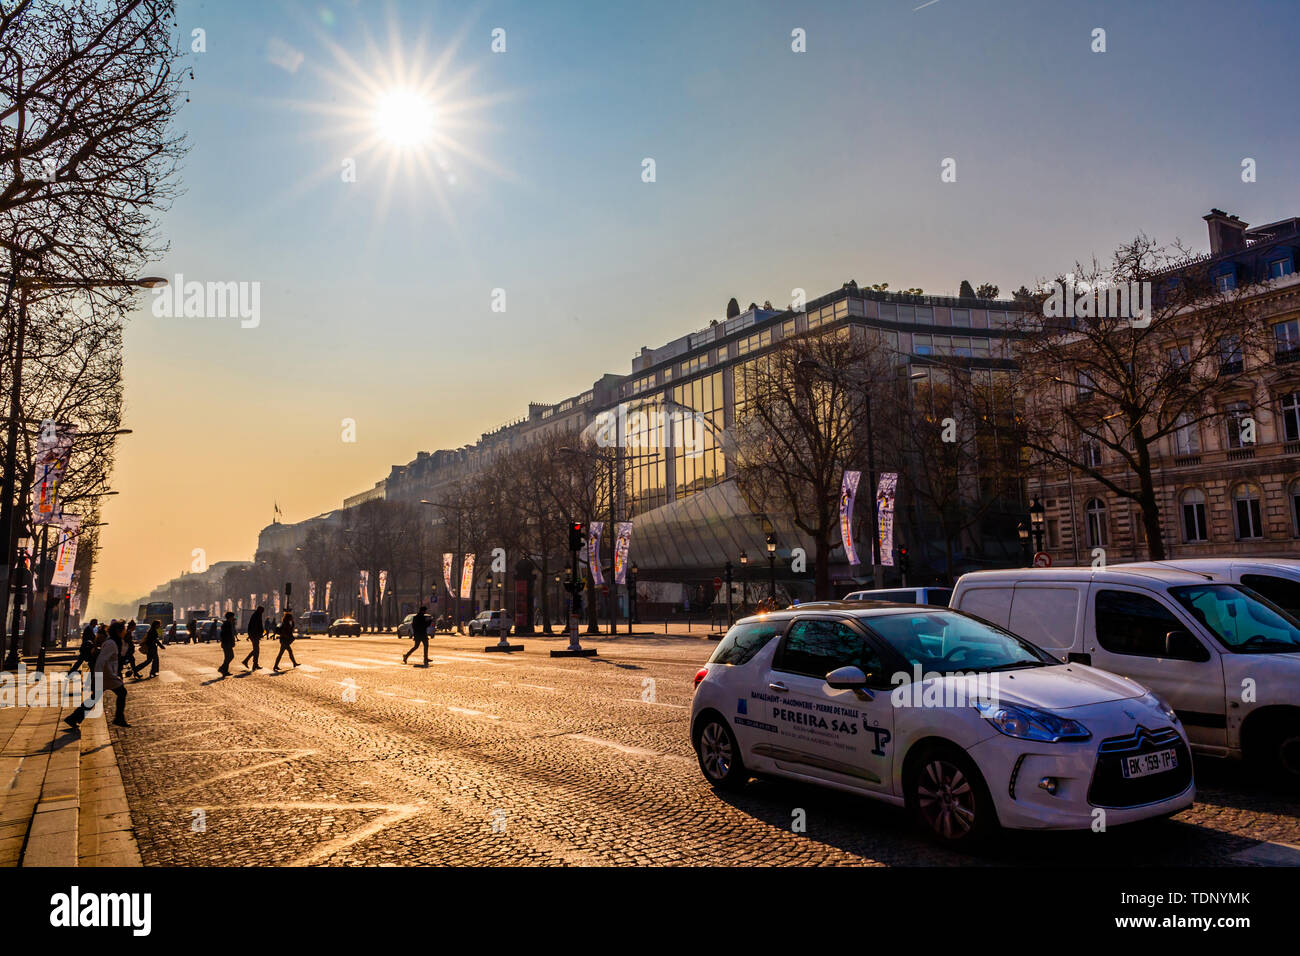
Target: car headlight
(1030, 723)
(1153, 700)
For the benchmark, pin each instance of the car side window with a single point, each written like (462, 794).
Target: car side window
(817, 647)
(743, 641)
(1283, 592)
(1136, 625)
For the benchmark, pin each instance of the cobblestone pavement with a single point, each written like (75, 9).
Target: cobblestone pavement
(356, 759)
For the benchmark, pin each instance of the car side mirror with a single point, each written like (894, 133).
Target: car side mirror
(847, 678)
(1181, 645)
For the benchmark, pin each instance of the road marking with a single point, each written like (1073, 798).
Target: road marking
(614, 745)
(1270, 854)
(506, 683)
(472, 713)
(373, 660)
(170, 677)
(655, 703)
(346, 665)
(385, 693)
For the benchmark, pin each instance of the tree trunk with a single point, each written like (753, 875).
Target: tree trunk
(822, 577)
(1147, 502)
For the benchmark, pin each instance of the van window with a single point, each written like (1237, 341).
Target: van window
(1134, 624)
(1045, 616)
(938, 596)
(1283, 592)
(992, 604)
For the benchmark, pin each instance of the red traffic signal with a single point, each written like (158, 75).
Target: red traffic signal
(577, 535)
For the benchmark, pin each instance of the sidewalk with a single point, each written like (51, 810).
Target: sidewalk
(61, 797)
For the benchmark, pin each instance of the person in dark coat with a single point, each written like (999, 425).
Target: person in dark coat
(87, 650)
(227, 644)
(128, 659)
(107, 659)
(150, 646)
(286, 640)
(192, 632)
(419, 634)
(255, 637)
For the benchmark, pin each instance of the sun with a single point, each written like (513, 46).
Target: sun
(405, 118)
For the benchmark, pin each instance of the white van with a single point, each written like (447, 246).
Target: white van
(936, 596)
(1228, 663)
(1278, 579)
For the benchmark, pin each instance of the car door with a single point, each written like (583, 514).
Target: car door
(1126, 635)
(840, 736)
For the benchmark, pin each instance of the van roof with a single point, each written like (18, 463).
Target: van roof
(1136, 574)
(1290, 566)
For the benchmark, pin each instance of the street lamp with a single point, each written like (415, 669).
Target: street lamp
(456, 578)
(1023, 532)
(771, 562)
(744, 580)
(631, 595)
(727, 577)
(1037, 520)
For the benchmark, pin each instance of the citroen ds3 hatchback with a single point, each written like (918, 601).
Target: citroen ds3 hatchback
(1226, 658)
(965, 724)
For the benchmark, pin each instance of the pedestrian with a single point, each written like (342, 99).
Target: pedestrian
(107, 667)
(152, 638)
(419, 634)
(192, 632)
(227, 644)
(255, 637)
(171, 633)
(286, 640)
(129, 638)
(87, 651)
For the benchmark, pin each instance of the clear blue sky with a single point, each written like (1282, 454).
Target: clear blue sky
(774, 170)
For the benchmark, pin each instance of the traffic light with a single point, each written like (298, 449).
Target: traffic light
(577, 535)
(903, 562)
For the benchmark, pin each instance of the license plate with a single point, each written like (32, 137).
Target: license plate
(1143, 765)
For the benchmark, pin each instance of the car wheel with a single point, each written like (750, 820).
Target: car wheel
(719, 755)
(947, 796)
(1280, 752)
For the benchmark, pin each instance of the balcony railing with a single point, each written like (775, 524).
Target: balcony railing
(1182, 460)
(1241, 454)
(1285, 356)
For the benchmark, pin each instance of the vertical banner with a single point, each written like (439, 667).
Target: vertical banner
(230, 604)
(69, 529)
(622, 544)
(363, 587)
(239, 607)
(446, 571)
(383, 585)
(53, 449)
(329, 586)
(277, 602)
(885, 494)
(311, 595)
(252, 602)
(467, 577)
(593, 553)
(848, 493)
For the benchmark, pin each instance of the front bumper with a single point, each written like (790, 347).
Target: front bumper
(1090, 789)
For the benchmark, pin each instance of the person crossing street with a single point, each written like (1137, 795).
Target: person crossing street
(255, 637)
(286, 640)
(86, 654)
(419, 635)
(227, 644)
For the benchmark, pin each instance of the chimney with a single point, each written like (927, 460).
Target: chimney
(1227, 233)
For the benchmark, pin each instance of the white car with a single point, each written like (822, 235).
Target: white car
(496, 623)
(965, 724)
(1228, 662)
(935, 596)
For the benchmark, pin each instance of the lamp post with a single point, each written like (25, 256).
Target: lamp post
(744, 580)
(609, 580)
(631, 596)
(26, 285)
(1037, 520)
(1023, 532)
(727, 577)
(771, 563)
(457, 571)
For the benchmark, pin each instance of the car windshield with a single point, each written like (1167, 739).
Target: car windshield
(944, 642)
(1243, 621)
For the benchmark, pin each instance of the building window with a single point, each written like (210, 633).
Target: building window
(1095, 514)
(1230, 357)
(1187, 436)
(1091, 453)
(1294, 495)
(787, 328)
(1226, 282)
(961, 318)
(1083, 391)
(1286, 341)
(1291, 416)
(1194, 515)
(1236, 414)
(924, 315)
(1280, 267)
(921, 344)
(1245, 509)
(752, 343)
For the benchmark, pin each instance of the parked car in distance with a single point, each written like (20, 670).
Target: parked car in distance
(404, 629)
(968, 726)
(495, 623)
(345, 626)
(1227, 661)
(935, 596)
(182, 635)
(1277, 579)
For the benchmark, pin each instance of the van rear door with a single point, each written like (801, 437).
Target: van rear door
(1049, 615)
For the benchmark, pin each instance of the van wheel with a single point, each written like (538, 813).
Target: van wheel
(719, 755)
(1280, 751)
(948, 798)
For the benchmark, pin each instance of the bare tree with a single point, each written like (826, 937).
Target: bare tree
(1103, 391)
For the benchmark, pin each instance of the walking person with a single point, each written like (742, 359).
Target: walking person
(150, 645)
(129, 638)
(286, 640)
(107, 661)
(419, 634)
(227, 644)
(192, 632)
(87, 650)
(255, 637)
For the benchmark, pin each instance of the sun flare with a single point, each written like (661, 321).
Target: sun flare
(405, 118)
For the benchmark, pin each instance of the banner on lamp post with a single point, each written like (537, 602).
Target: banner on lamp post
(363, 587)
(467, 577)
(885, 494)
(383, 585)
(53, 450)
(593, 553)
(311, 595)
(622, 544)
(848, 494)
(66, 556)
